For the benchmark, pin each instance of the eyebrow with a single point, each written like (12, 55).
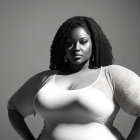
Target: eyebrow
(70, 39)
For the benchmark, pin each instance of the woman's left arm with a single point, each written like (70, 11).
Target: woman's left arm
(135, 132)
(127, 95)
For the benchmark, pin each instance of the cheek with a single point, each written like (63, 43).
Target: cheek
(89, 50)
(68, 53)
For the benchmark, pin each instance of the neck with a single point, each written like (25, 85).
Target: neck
(72, 68)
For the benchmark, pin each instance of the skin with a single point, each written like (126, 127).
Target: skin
(78, 49)
(79, 42)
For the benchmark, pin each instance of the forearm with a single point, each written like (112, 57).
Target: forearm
(19, 125)
(135, 132)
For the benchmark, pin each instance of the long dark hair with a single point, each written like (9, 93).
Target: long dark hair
(101, 48)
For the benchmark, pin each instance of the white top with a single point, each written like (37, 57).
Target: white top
(99, 102)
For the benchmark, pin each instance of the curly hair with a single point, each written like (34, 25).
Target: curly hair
(101, 48)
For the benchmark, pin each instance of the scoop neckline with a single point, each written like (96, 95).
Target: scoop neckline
(70, 90)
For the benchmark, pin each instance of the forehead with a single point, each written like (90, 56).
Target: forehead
(78, 32)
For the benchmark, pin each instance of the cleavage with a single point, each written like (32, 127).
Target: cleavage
(76, 81)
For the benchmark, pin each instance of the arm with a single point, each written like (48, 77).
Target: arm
(127, 95)
(18, 123)
(135, 132)
(20, 105)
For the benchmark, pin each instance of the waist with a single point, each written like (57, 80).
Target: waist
(90, 131)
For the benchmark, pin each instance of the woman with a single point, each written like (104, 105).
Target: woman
(81, 94)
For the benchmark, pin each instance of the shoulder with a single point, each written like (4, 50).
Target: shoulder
(35, 82)
(118, 71)
(122, 77)
(44, 74)
(116, 68)
(126, 88)
(40, 78)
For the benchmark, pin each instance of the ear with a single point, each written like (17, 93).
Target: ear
(65, 59)
(92, 58)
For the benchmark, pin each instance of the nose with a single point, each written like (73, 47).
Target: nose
(77, 46)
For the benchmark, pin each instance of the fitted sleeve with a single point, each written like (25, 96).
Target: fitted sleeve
(126, 89)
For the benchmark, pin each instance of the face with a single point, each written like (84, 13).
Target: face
(78, 46)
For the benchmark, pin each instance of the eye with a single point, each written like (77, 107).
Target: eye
(69, 43)
(83, 41)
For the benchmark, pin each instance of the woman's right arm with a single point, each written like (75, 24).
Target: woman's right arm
(20, 105)
(18, 123)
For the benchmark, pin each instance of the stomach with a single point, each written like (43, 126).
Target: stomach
(90, 131)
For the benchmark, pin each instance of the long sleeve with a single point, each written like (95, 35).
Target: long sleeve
(126, 89)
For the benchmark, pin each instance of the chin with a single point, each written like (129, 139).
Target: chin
(78, 62)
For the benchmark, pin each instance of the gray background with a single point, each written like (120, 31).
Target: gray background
(27, 28)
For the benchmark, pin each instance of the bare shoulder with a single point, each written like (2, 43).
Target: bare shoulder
(45, 73)
(42, 76)
(22, 99)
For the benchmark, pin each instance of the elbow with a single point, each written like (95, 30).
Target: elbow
(12, 110)
(15, 117)
(10, 104)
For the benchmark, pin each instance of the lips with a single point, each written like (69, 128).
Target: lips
(76, 55)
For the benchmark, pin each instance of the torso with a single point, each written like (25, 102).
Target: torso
(78, 106)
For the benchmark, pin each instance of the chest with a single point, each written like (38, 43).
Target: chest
(56, 99)
(77, 81)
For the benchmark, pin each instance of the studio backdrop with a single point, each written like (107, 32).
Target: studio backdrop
(27, 28)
